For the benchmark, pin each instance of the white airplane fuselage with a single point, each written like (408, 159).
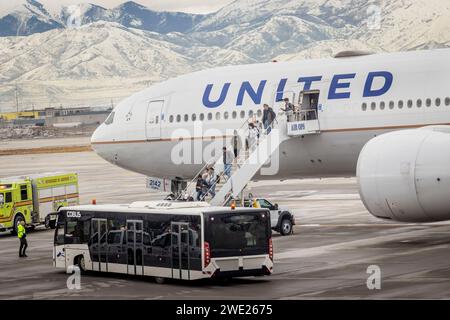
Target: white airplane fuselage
(413, 86)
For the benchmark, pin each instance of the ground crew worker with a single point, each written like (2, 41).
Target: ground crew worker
(21, 233)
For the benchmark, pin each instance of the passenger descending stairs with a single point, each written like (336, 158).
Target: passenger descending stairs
(245, 166)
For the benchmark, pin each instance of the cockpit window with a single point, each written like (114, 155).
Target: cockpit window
(110, 119)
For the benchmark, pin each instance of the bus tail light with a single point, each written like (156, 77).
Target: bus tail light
(207, 253)
(270, 249)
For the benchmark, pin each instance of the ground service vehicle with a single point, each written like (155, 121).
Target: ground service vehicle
(36, 198)
(166, 239)
(282, 220)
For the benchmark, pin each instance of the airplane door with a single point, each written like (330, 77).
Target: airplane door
(153, 119)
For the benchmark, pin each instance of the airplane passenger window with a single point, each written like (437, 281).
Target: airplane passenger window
(391, 104)
(218, 116)
(382, 105)
(447, 101)
(259, 113)
(373, 106)
(234, 115)
(437, 102)
(428, 102)
(400, 104)
(171, 119)
(186, 118)
(242, 114)
(250, 113)
(194, 117)
(410, 103)
(419, 103)
(178, 118)
(202, 116)
(225, 115)
(364, 106)
(210, 116)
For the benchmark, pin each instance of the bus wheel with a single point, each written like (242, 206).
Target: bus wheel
(19, 218)
(286, 227)
(80, 263)
(160, 280)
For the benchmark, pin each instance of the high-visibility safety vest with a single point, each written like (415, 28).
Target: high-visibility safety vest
(20, 231)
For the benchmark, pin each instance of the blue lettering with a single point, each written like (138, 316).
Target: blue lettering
(308, 81)
(255, 96)
(336, 84)
(280, 90)
(388, 78)
(214, 104)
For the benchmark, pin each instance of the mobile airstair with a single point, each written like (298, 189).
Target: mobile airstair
(259, 154)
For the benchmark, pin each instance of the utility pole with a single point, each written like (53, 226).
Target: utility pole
(17, 99)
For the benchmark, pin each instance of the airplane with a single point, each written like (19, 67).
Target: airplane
(384, 117)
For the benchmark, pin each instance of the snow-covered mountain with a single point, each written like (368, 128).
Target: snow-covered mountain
(25, 17)
(130, 46)
(28, 17)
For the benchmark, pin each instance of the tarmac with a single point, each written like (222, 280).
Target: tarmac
(334, 243)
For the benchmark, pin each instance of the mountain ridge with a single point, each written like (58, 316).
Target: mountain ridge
(64, 65)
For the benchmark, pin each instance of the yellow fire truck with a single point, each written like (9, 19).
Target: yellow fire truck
(36, 198)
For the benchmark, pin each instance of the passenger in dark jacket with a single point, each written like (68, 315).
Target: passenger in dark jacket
(268, 117)
(199, 187)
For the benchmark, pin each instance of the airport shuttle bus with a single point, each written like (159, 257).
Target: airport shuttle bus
(179, 240)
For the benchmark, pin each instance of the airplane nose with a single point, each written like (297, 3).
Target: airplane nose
(98, 138)
(99, 143)
(97, 135)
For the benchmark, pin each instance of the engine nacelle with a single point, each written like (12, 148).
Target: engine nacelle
(405, 175)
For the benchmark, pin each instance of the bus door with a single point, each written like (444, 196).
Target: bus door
(98, 244)
(181, 263)
(135, 247)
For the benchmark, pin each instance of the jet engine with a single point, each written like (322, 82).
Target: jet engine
(405, 175)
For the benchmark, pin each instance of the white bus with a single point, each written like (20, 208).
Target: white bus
(178, 240)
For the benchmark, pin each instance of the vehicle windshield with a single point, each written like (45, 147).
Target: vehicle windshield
(238, 234)
(110, 118)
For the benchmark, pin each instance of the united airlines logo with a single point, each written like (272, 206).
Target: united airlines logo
(376, 84)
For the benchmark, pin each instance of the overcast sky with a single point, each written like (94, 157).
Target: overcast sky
(193, 6)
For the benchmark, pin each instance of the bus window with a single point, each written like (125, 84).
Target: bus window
(114, 237)
(60, 233)
(75, 232)
(2, 199)
(238, 234)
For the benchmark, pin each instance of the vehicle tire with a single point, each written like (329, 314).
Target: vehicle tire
(286, 227)
(160, 280)
(19, 217)
(80, 263)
